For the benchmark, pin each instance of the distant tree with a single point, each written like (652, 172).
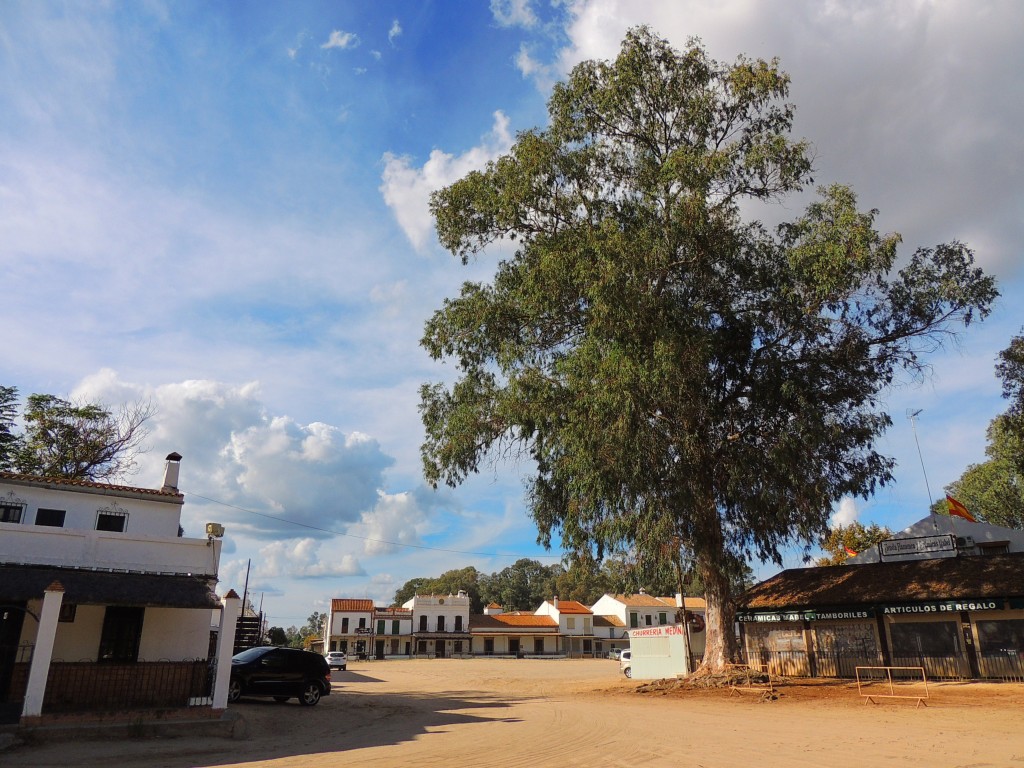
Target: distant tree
(1011, 371)
(522, 586)
(8, 438)
(448, 583)
(277, 636)
(582, 581)
(670, 367)
(856, 537)
(411, 588)
(993, 491)
(81, 441)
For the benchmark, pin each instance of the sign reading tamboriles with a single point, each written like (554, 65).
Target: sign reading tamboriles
(917, 547)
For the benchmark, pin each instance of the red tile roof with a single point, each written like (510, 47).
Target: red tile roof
(346, 604)
(49, 482)
(512, 621)
(608, 621)
(571, 606)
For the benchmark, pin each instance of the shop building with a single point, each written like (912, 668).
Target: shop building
(957, 616)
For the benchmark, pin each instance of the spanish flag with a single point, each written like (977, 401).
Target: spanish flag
(958, 509)
(849, 551)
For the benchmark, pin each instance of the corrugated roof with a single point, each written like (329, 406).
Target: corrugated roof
(953, 578)
(85, 587)
(349, 604)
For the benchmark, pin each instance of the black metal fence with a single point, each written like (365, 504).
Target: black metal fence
(91, 686)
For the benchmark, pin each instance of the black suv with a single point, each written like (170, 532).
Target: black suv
(279, 672)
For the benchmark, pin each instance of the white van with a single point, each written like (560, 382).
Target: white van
(626, 663)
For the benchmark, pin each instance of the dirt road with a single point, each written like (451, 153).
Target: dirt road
(482, 712)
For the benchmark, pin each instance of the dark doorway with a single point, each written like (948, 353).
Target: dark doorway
(379, 650)
(12, 616)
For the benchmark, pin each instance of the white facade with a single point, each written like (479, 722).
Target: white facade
(575, 625)
(642, 610)
(94, 572)
(440, 624)
(350, 626)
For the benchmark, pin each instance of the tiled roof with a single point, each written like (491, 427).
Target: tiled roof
(494, 605)
(608, 621)
(641, 601)
(571, 606)
(692, 603)
(945, 578)
(347, 604)
(52, 482)
(512, 621)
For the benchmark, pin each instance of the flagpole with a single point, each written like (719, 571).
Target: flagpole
(912, 415)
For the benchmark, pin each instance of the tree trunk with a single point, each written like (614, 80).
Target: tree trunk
(720, 641)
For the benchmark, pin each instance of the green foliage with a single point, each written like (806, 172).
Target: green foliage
(82, 441)
(277, 636)
(855, 536)
(677, 374)
(993, 491)
(448, 583)
(522, 586)
(1011, 371)
(9, 440)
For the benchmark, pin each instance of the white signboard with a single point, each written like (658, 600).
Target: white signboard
(921, 546)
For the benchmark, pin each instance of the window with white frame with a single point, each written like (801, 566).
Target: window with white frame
(570, 622)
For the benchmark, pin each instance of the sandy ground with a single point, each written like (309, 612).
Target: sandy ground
(491, 712)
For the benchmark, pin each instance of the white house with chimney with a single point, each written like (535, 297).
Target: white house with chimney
(104, 607)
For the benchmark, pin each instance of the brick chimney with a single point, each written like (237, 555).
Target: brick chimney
(171, 472)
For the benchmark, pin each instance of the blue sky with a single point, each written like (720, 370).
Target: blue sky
(222, 208)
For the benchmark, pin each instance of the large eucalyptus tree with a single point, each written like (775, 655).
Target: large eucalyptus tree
(680, 375)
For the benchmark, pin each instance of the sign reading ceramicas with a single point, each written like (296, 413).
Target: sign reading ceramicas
(834, 614)
(921, 545)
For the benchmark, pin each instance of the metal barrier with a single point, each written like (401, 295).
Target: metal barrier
(904, 674)
(91, 686)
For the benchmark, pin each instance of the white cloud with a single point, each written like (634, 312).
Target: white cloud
(396, 519)
(513, 13)
(395, 31)
(406, 188)
(340, 39)
(845, 514)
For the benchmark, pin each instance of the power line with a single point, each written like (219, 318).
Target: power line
(365, 538)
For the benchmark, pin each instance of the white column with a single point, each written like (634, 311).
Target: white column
(42, 654)
(225, 645)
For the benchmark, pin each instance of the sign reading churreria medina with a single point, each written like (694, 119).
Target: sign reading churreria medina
(919, 545)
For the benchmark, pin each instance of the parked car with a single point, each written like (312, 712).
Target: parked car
(282, 673)
(614, 653)
(337, 660)
(626, 662)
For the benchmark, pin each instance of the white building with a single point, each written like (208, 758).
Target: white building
(392, 633)
(943, 536)
(95, 578)
(575, 625)
(518, 634)
(350, 627)
(643, 610)
(440, 624)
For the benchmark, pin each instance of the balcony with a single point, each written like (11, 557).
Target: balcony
(101, 550)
